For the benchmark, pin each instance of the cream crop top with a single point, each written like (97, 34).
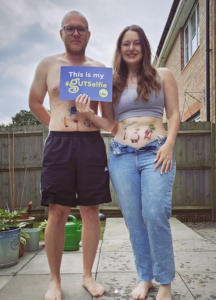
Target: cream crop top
(126, 107)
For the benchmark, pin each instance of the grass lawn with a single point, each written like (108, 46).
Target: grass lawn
(103, 224)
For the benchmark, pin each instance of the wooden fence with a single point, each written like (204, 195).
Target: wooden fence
(21, 151)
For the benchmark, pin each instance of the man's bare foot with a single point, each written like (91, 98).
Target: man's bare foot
(164, 292)
(141, 291)
(94, 288)
(54, 291)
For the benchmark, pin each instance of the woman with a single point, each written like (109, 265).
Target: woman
(142, 165)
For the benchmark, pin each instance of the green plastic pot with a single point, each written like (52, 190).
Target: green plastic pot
(32, 244)
(73, 231)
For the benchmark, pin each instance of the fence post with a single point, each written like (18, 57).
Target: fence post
(213, 202)
(45, 133)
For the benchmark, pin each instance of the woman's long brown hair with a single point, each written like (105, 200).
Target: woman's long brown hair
(146, 74)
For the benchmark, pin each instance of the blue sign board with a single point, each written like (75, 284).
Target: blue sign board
(96, 82)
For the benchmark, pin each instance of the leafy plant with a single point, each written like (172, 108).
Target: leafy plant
(43, 225)
(24, 235)
(9, 219)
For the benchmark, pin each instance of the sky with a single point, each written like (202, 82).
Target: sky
(29, 31)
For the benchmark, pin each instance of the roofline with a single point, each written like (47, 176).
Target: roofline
(167, 26)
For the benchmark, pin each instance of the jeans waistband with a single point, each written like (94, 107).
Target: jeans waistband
(119, 148)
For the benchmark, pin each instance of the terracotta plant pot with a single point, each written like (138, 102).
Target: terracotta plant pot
(21, 250)
(24, 216)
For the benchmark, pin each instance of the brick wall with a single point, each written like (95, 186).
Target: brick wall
(191, 78)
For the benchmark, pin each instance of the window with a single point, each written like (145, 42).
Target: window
(191, 35)
(194, 118)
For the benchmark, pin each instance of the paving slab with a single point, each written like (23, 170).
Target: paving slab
(16, 268)
(115, 229)
(195, 258)
(185, 235)
(116, 246)
(34, 287)
(4, 280)
(116, 262)
(208, 233)
(71, 263)
(119, 286)
(191, 245)
(202, 286)
(197, 262)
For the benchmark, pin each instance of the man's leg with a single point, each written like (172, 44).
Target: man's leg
(54, 241)
(90, 240)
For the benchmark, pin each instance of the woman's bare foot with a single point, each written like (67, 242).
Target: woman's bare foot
(164, 292)
(141, 291)
(94, 288)
(54, 291)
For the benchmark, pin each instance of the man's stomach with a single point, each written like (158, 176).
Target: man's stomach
(65, 117)
(140, 131)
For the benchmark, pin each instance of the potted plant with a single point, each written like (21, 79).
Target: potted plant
(9, 238)
(42, 226)
(25, 213)
(23, 238)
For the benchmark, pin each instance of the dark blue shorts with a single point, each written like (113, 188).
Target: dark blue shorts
(75, 169)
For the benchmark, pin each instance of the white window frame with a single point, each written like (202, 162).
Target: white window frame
(197, 34)
(195, 118)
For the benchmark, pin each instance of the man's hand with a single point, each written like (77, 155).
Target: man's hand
(83, 105)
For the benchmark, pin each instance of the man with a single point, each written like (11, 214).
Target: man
(75, 165)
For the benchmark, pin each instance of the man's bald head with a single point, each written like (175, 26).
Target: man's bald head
(71, 13)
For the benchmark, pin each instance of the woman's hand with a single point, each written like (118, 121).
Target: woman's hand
(164, 157)
(83, 105)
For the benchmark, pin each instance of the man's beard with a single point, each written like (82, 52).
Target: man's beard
(78, 51)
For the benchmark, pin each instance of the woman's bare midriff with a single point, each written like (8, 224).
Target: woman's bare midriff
(140, 131)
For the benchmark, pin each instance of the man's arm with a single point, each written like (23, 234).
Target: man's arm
(38, 91)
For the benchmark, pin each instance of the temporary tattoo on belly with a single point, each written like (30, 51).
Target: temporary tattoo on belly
(129, 125)
(72, 111)
(125, 136)
(64, 120)
(86, 123)
(135, 137)
(152, 127)
(149, 131)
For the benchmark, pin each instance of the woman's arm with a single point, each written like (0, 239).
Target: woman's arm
(164, 155)
(107, 120)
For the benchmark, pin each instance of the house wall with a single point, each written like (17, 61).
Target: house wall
(191, 78)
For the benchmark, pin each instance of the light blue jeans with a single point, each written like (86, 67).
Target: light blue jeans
(145, 197)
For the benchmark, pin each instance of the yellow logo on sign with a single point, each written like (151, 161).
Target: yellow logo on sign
(103, 93)
(73, 88)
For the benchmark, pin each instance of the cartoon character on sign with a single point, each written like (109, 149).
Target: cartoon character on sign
(135, 137)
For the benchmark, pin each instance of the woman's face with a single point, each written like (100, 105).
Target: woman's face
(131, 49)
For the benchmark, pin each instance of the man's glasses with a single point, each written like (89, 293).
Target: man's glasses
(69, 30)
